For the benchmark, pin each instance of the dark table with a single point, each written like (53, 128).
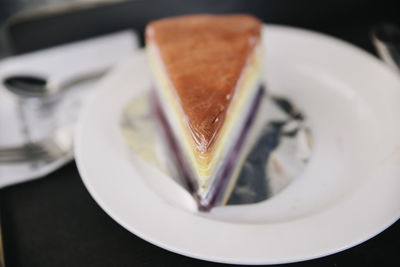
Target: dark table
(54, 221)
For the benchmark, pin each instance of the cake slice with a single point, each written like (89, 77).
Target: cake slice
(207, 72)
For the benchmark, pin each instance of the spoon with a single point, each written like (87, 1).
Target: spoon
(33, 86)
(37, 90)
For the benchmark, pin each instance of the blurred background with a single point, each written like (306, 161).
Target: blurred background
(28, 25)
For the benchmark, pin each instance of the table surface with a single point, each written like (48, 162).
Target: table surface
(53, 221)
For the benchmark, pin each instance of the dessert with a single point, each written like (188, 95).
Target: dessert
(207, 70)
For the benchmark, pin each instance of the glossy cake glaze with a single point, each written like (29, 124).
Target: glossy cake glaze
(206, 71)
(204, 57)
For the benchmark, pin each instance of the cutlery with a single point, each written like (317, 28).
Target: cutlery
(48, 149)
(34, 86)
(34, 90)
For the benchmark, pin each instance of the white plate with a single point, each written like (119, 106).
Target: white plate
(349, 192)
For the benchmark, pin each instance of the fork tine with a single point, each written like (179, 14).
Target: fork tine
(25, 158)
(21, 150)
(22, 159)
(22, 153)
(18, 151)
(56, 146)
(30, 153)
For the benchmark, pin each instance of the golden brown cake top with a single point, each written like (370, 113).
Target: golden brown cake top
(204, 56)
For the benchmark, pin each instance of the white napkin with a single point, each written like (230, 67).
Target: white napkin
(57, 64)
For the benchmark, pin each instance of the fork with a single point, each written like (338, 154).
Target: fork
(47, 149)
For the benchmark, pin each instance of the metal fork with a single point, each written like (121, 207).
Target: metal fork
(48, 149)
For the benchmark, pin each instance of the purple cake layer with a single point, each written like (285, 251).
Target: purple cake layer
(220, 184)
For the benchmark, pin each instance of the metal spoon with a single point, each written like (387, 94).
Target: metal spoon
(41, 92)
(32, 86)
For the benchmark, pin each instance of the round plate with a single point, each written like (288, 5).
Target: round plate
(349, 191)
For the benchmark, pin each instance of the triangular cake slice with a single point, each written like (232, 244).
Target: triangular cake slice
(207, 72)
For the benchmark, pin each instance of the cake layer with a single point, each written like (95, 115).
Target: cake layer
(203, 165)
(207, 71)
(204, 57)
(228, 170)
